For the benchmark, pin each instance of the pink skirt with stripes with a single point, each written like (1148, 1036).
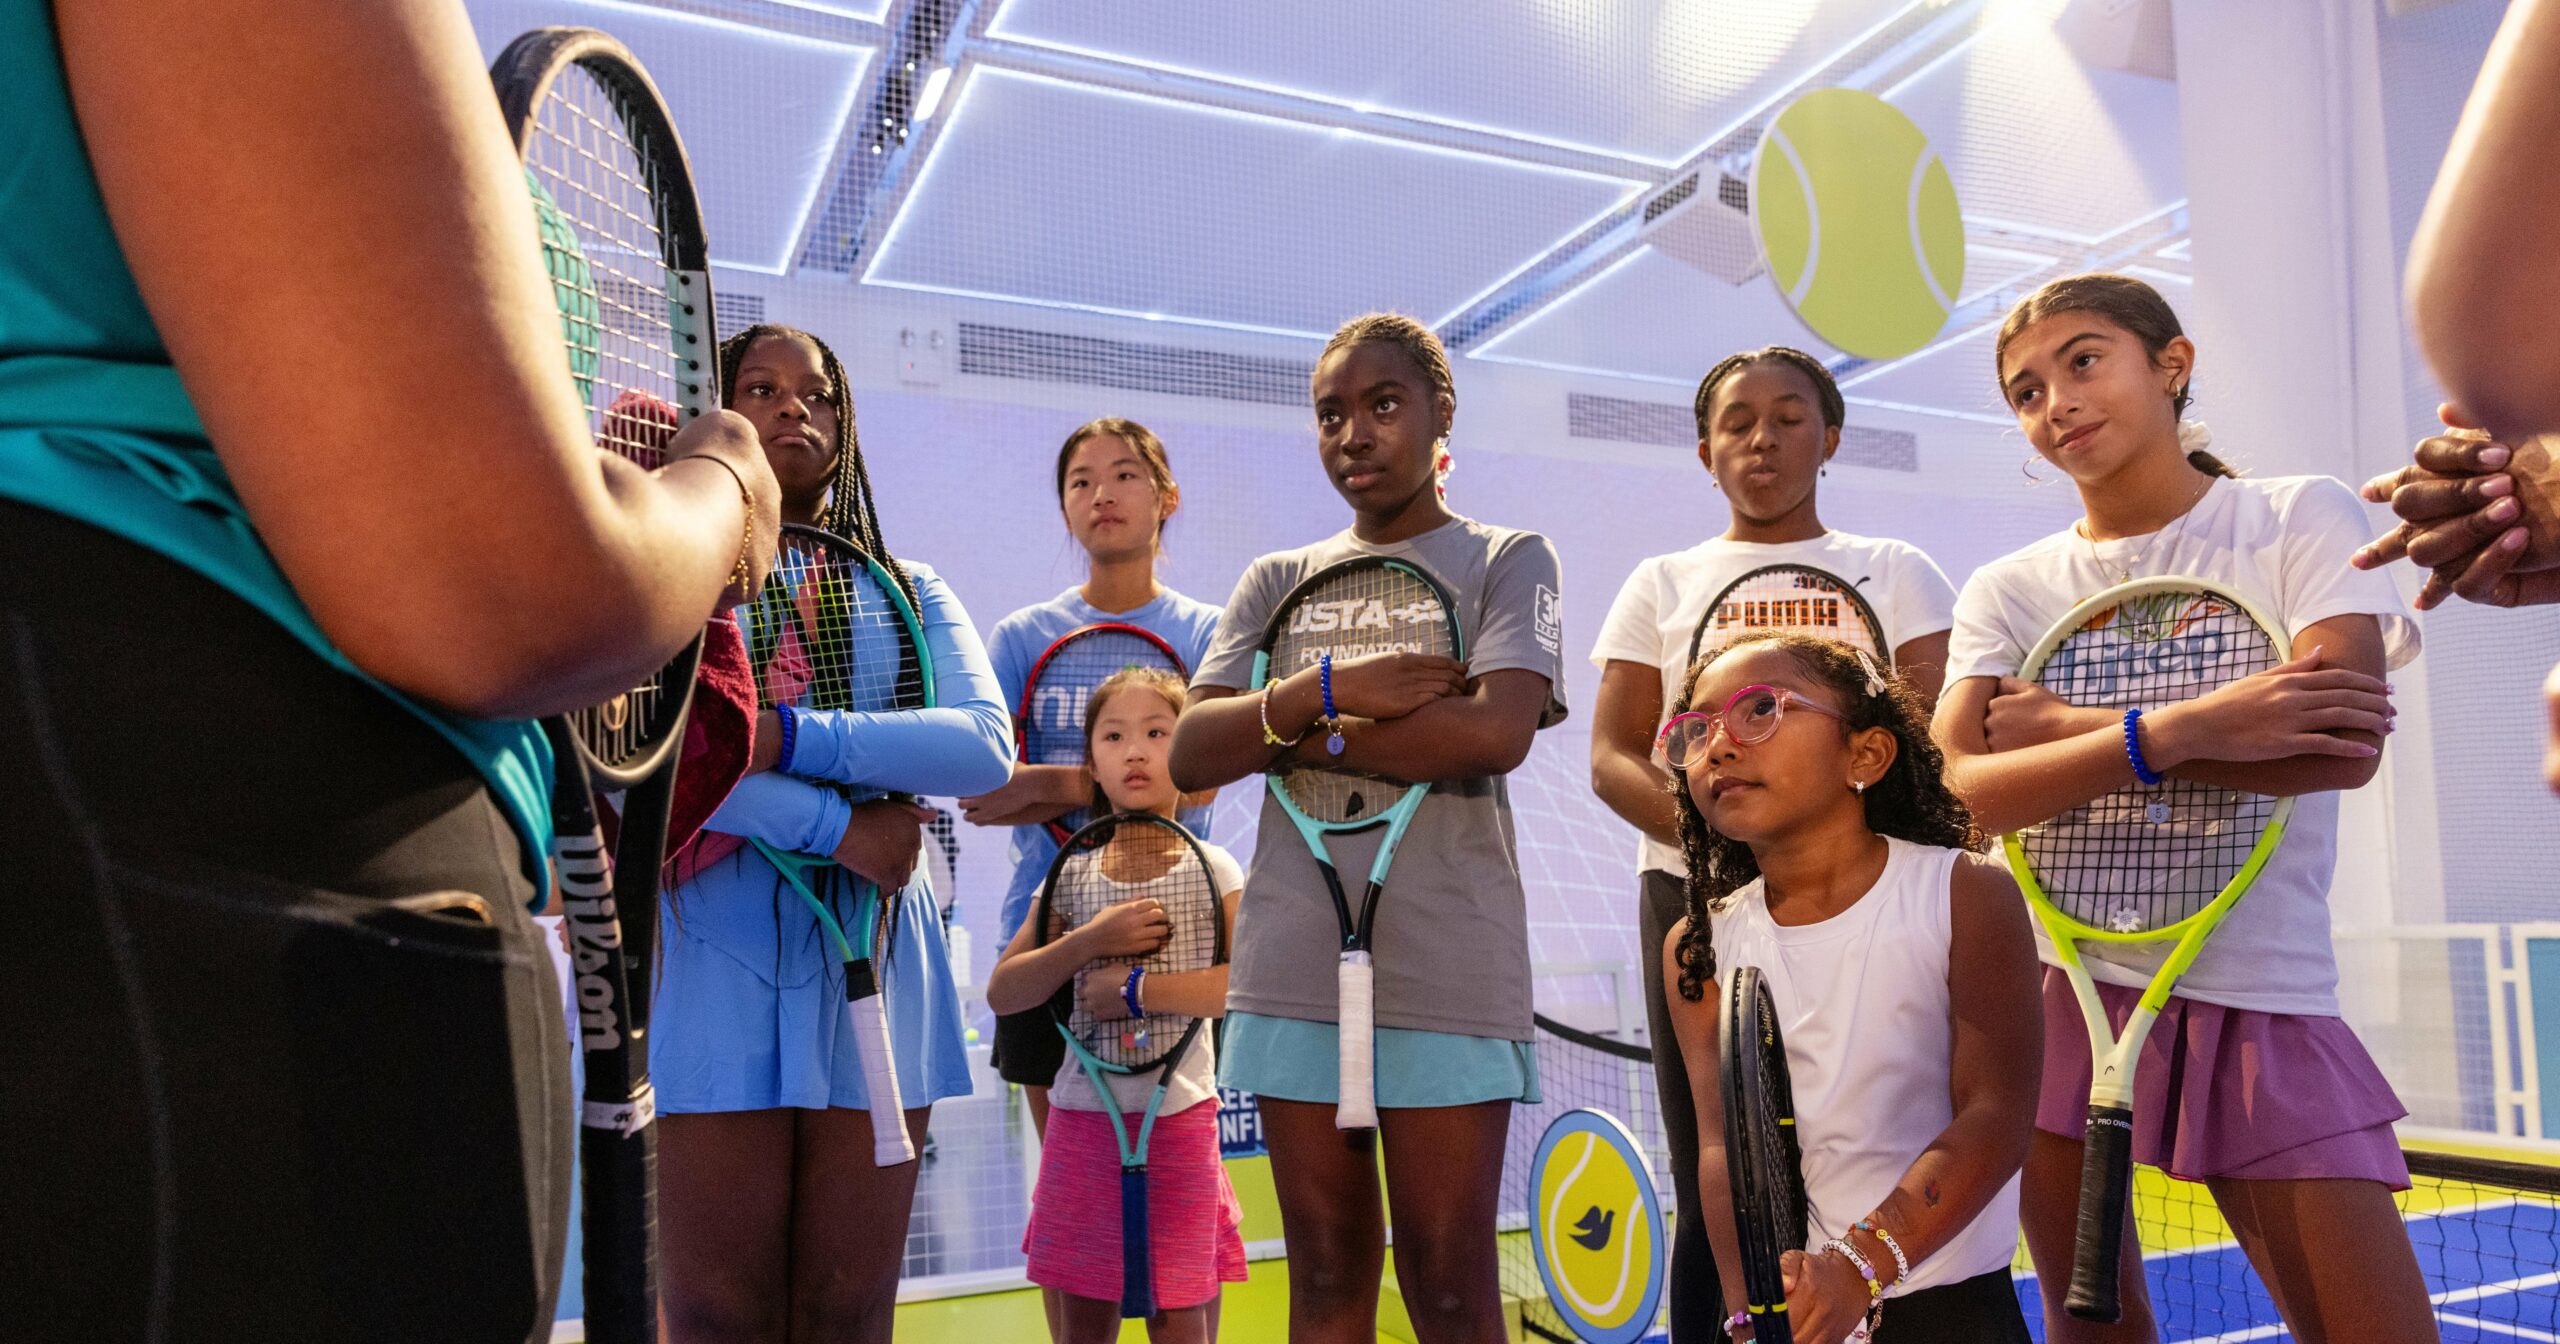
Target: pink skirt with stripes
(2230, 1091)
(1073, 1239)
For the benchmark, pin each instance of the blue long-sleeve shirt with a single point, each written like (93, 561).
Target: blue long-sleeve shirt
(961, 746)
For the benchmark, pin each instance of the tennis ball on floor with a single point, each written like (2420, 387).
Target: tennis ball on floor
(1858, 223)
(573, 287)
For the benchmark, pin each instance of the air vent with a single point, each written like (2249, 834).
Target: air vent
(1054, 357)
(735, 312)
(1619, 420)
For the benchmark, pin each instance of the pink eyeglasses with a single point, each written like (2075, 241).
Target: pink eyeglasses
(1749, 718)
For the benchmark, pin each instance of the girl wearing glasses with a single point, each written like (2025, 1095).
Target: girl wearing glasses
(1824, 848)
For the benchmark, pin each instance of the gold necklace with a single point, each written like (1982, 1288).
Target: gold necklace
(2124, 572)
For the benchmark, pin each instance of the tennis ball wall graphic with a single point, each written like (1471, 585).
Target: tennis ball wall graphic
(1857, 221)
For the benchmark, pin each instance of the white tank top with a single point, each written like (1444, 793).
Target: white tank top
(1862, 998)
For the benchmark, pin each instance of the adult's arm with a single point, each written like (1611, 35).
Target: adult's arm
(329, 227)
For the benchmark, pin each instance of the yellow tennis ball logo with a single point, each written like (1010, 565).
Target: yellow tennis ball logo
(1599, 1241)
(1858, 223)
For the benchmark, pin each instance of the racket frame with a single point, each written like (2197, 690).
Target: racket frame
(1355, 987)
(2106, 1172)
(1858, 608)
(1752, 1055)
(611, 906)
(1137, 1287)
(1058, 828)
(866, 1007)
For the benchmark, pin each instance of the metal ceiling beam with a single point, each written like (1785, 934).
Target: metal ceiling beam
(774, 16)
(1916, 34)
(881, 147)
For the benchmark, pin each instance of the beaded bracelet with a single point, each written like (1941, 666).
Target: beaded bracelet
(790, 720)
(1332, 719)
(1901, 1263)
(2133, 749)
(1737, 1321)
(1129, 991)
(1268, 736)
(1867, 1271)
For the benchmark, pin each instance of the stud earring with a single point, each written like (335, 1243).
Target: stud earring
(1858, 786)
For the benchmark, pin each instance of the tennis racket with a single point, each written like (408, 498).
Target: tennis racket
(2154, 867)
(1797, 598)
(1763, 1160)
(1048, 725)
(1124, 857)
(1364, 605)
(622, 242)
(834, 630)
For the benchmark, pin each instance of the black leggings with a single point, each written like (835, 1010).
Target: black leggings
(282, 1056)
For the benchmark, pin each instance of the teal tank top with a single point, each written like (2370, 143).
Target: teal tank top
(95, 425)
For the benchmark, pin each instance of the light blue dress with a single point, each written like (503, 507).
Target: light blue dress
(750, 1009)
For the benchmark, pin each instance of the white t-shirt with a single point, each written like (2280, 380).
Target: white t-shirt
(1659, 607)
(1195, 1080)
(2282, 543)
(1862, 1000)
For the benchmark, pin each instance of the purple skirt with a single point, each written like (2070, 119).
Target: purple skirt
(2231, 1092)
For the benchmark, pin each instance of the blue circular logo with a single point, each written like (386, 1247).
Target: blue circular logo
(1596, 1227)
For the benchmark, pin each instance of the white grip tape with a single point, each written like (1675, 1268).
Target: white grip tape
(622, 1117)
(1356, 1029)
(889, 1143)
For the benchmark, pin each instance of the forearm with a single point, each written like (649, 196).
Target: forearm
(1638, 791)
(1460, 737)
(1951, 1182)
(2288, 778)
(2008, 790)
(1715, 1198)
(789, 814)
(958, 750)
(1200, 993)
(1025, 980)
(1219, 739)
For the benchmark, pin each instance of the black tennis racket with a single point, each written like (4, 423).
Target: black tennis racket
(1364, 605)
(1762, 1158)
(1048, 724)
(622, 242)
(1123, 857)
(1797, 598)
(834, 629)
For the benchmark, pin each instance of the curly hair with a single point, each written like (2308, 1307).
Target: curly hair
(1826, 389)
(1912, 802)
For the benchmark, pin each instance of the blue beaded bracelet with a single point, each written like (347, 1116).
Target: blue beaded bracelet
(2133, 749)
(790, 720)
(1332, 719)
(1129, 992)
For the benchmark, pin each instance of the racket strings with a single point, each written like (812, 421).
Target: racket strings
(1054, 730)
(609, 275)
(1373, 609)
(1796, 599)
(824, 634)
(1127, 869)
(2145, 857)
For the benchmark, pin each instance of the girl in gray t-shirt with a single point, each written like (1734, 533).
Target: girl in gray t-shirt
(1451, 937)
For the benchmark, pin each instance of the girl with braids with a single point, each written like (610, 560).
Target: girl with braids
(1825, 849)
(1452, 943)
(2250, 1081)
(1767, 421)
(1116, 489)
(777, 1223)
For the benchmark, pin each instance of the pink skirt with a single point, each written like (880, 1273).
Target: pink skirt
(2231, 1092)
(1073, 1239)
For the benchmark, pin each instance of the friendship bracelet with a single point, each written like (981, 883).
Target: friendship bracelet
(1268, 736)
(1332, 720)
(1874, 1228)
(2133, 749)
(790, 719)
(1737, 1320)
(1867, 1271)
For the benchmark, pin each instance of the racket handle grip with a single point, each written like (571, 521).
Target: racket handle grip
(2106, 1181)
(619, 1209)
(1356, 1028)
(889, 1142)
(1137, 1289)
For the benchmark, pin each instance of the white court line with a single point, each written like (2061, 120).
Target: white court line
(2501, 1327)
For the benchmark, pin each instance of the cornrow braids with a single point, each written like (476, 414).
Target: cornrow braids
(1421, 345)
(1911, 802)
(1826, 389)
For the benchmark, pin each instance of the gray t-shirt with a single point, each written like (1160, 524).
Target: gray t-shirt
(1452, 938)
